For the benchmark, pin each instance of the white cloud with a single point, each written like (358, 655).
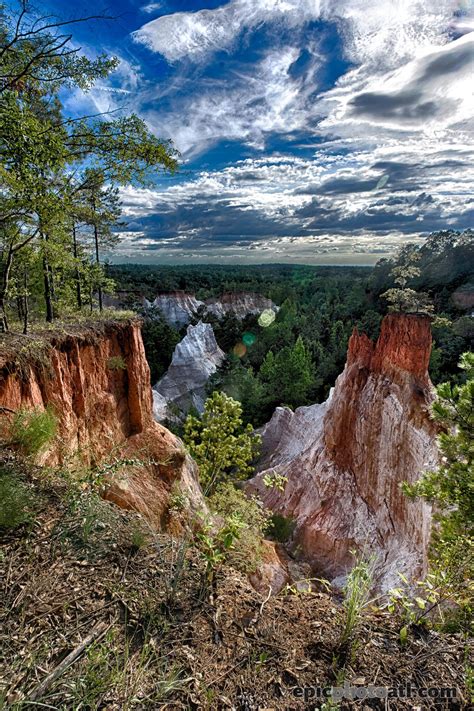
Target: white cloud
(194, 34)
(391, 30)
(427, 95)
(152, 7)
(252, 104)
(399, 119)
(388, 42)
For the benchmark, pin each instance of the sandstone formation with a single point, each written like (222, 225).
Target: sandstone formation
(98, 384)
(183, 386)
(345, 459)
(178, 308)
(240, 304)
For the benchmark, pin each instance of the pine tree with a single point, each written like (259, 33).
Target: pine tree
(220, 443)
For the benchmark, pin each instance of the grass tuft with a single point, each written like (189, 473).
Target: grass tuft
(32, 430)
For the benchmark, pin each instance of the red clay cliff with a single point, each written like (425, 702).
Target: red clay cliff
(98, 384)
(346, 458)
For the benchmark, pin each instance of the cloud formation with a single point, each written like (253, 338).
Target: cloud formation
(355, 117)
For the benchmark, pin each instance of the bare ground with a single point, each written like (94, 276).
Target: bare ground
(165, 640)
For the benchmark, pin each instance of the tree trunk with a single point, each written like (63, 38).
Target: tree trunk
(25, 302)
(4, 288)
(19, 307)
(77, 275)
(97, 259)
(48, 284)
(47, 292)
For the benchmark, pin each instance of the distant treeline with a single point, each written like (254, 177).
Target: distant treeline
(296, 360)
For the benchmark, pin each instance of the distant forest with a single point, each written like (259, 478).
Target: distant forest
(296, 359)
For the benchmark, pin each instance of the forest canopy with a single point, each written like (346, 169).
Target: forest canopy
(295, 360)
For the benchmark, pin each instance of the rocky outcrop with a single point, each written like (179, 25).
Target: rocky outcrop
(240, 304)
(346, 458)
(183, 386)
(464, 297)
(178, 308)
(98, 383)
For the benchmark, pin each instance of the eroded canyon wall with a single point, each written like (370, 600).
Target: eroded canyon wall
(98, 384)
(346, 458)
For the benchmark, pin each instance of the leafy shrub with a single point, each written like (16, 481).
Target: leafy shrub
(215, 545)
(33, 430)
(281, 528)
(275, 481)
(17, 501)
(232, 504)
(450, 488)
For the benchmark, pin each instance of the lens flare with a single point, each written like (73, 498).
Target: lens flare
(382, 182)
(249, 338)
(240, 350)
(266, 318)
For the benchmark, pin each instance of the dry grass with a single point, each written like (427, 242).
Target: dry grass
(20, 352)
(236, 650)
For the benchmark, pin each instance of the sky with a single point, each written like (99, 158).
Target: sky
(310, 131)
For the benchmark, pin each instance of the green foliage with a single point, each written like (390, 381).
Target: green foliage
(411, 605)
(280, 527)
(230, 504)
(408, 301)
(240, 383)
(451, 486)
(159, 340)
(33, 430)
(288, 375)
(18, 502)
(116, 363)
(402, 298)
(220, 443)
(215, 545)
(356, 596)
(275, 481)
(59, 176)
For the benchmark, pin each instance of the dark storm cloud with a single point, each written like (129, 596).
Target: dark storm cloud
(403, 105)
(339, 186)
(394, 213)
(204, 222)
(416, 101)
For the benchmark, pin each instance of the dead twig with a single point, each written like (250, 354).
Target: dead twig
(98, 631)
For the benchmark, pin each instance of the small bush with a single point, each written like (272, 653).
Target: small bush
(33, 430)
(116, 363)
(281, 528)
(17, 502)
(230, 504)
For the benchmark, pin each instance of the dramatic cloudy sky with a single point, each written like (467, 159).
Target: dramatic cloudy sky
(311, 131)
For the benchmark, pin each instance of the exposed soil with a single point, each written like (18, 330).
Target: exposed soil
(170, 642)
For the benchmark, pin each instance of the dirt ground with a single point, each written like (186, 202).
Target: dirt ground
(165, 640)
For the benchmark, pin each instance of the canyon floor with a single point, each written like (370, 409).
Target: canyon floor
(159, 638)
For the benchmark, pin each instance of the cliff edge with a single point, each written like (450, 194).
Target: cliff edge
(97, 381)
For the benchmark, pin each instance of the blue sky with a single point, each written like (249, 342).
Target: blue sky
(311, 131)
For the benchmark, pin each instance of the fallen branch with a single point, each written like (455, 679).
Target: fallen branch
(95, 634)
